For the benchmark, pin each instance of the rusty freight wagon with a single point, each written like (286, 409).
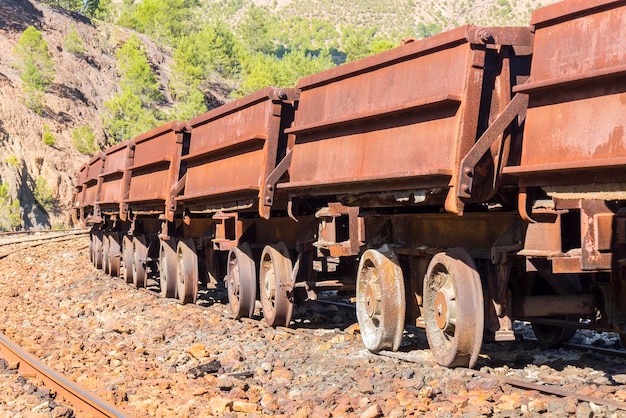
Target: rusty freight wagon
(114, 175)
(457, 183)
(153, 169)
(381, 142)
(85, 203)
(226, 195)
(572, 168)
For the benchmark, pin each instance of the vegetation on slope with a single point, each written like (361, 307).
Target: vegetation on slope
(254, 46)
(84, 83)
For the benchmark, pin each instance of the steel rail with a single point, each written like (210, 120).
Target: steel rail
(550, 390)
(81, 399)
(599, 350)
(48, 235)
(34, 231)
(514, 382)
(38, 243)
(584, 347)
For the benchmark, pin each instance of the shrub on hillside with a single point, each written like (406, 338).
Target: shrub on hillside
(43, 194)
(83, 139)
(10, 211)
(46, 137)
(36, 67)
(74, 43)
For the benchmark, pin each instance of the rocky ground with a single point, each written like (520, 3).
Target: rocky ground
(155, 357)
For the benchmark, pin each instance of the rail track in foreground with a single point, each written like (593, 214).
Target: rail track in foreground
(82, 400)
(13, 242)
(505, 383)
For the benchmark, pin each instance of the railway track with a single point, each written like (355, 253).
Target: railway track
(14, 242)
(342, 362)
(83, 401)
(531, 386)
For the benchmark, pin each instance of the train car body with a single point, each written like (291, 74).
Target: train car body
(86, 203)
(88, 188)
(380, 143)
(363, 129)
(113, 186)
(572, 164)
(458, 183)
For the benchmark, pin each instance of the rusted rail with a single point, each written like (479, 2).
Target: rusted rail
(551, 390)
(45, 235)
(38, 241)
(81, 399)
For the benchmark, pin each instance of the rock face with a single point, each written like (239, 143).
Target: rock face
(76, 98)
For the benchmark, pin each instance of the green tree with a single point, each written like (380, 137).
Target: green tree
(164, 20)
(46, 136)
(92, 8)
(74, 43)
(264, 70)
(127, 117)
(12, 161)
(312, 34)
(10, 211)
(43, 194)
(84, 140)
(136, 74)
(37, 69)
(196, 57)
(134, 109)
(191, 105)
(424, 30)
(255, 30)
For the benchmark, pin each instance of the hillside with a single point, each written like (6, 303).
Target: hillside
(37, 178)
(75, 99)
(393, 16)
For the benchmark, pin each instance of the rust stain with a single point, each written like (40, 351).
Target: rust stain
(615, 145)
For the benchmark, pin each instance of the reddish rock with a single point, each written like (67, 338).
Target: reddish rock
(219, 406)
(373, 411)
(282, 375)
(244, 406)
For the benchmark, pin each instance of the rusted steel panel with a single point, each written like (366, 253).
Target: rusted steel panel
(155, 168)
(576, 121)
(91, 187)
(399, 120)
(115, 164)
(477, 231)
(81, 180)
(235, 147)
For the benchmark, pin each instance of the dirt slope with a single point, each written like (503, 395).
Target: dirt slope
(76, 98)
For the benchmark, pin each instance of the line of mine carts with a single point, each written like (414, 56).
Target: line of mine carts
(457, 183)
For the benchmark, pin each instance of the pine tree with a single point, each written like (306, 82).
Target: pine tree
(37, 68)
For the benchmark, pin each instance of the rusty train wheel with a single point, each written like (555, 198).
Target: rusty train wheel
(114, 255)
(241, 281)
(453, 308)
(92, 251)
(380, 300)
(167, 268)
(275, 282)
(105, 253)
(186, 271)
(127, 259)
(97, 249)
(551, 336)
(140, 255)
